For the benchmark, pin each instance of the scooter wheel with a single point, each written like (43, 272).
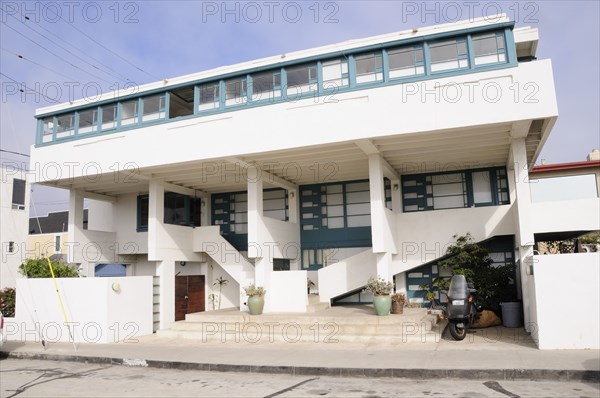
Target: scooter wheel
(458, 333)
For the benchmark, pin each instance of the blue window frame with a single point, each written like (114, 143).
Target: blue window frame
(142, 212)
(404, 60)
(178, 210)
(457, 189)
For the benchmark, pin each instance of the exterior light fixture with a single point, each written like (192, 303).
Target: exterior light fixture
(116, 287)
(396, 187)
(182, 263)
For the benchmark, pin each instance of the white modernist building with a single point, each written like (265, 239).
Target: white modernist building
(336, 163)
(14, 207)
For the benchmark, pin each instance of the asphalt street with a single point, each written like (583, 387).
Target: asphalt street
(38, 378)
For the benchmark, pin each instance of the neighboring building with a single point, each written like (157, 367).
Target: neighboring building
(14, 203)
(48, 235)
(337, 163)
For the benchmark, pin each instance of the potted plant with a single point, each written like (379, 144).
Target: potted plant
(398, 301)
(256, 298)
(381, 290)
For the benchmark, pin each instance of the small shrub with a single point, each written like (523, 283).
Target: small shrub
(379, 286)
(38, 268)
(7, 301)
(253, 290)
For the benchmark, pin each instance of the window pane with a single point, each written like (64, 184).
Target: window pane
(47, 129)
(448, 55)
(129, 113)
(236, 91)
(482, 189)
(406, 62)
(209, 97)
(488, 48)
(301, 79)
(448, 202)
(369, 68)
(335, 74)
(154, 108)
(109, 117)
(18, 193)
(65, 126)
(88, 121)
(266, 85)
(359, 221)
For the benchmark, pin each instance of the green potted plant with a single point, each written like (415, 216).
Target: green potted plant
(398, 301)
(381, 290)
(256, 298)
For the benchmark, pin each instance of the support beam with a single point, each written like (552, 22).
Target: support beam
(98, 196)
(265, 175)
(369, 148)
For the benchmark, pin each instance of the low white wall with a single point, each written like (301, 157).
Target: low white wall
(96, 313)
(567, 301)
(287, 291)
(346, 275)
(279, 239)
(569, 215)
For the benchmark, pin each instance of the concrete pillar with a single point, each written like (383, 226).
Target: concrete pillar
(156, 218)
(377, 192)
(522, 216)
(384, 266)
(255, 213)
(293, 205)
(75, 227)
(166, 271)
(400, 280)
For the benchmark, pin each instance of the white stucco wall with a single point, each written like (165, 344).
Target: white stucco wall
(567, 301)
(96, 312)
(566, 215)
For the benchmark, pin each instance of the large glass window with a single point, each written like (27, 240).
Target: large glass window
(369, 68)
(209, 96)
(335, 74)
(301, 79)
(18, 194)
(88, 121)
(109, 117)
(129, 112)
(275, 204)
(266, 85)
(406, 61)
(453, 190)
(489, 48)
(65, 126)
(47, 129)
(142, 213)
(448, 55)
(153, 108)
(236, 91)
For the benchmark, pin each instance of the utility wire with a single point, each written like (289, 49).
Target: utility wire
(38, 64)
(37, 92)
(14, 153)
(62, 47)
(103, 46)
(53, 54)
(123, 77)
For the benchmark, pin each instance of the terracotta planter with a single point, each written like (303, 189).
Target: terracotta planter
(382, 304)
(397, 307)
(256, 304)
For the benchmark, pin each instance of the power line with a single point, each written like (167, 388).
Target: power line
(62, 47)
(35, 63)
(103, 46)
(53, 54)
(14, 153)
(37, 92)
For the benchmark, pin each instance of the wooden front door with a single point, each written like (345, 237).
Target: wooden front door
(189, 295)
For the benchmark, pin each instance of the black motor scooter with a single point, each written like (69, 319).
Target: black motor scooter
(462, 310)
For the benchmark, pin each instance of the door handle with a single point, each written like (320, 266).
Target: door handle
(185, 297)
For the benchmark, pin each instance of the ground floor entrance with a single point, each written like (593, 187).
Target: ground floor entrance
(189, 295)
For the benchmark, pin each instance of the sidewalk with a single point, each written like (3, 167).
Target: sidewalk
(493, 354)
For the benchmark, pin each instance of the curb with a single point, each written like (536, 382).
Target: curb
(417, 374)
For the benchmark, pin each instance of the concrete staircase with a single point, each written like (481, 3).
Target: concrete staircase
(324, 326)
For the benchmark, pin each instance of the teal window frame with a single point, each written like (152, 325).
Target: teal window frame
(416, 66)
(274, 91)
(162, 108)
(312, 70)
(376, 58)
(461, 57)
(190, 216)
(500, 51)
(143, 206)
(418, 191)
(315, 65)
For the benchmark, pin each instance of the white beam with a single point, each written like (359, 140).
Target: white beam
(266, 176)
(369, 148)
(98, 196)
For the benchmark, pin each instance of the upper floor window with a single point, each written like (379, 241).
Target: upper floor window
(489, 48)
(448, 55)
(301, 79)
(209, 96)
(230, 211)
(47, 129)
(453, 190)
(88, 121)
(109, 117)
(335, 74)
(236, 91)
(266, 85)
(18, 194)
(153, 108)
(182, 209)
(129, 112)
(65, 126)
(275, 204)
(369, 68)
(406, 61)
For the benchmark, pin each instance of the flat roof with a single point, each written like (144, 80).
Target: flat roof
(566, 166)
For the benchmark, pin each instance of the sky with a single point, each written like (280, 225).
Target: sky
(69, 49)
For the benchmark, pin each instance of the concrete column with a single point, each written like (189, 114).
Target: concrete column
(75, 226)
(293, 205)
(396, 196)
(400, 280)
(377, 192)
(522, 215)
(156, 218)
(255, 213)
(166, 271)
(384, 266)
